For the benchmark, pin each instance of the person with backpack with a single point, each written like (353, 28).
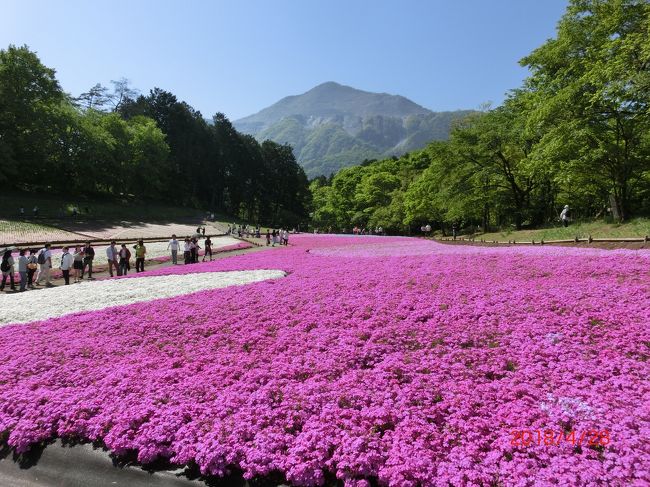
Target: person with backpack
(140, 251)
(32, 265)
(111, 257)
(44, 261)
(89, 255)
(125, 257)
(67, 262)
(7, 268)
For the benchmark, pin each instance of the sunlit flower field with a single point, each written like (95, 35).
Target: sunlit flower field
(374, 360)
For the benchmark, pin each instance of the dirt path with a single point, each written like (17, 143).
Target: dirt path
(149, 265)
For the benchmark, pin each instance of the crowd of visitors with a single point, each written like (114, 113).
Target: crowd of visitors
(35, 266)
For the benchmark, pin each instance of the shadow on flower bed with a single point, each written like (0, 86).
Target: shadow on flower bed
(92, 460)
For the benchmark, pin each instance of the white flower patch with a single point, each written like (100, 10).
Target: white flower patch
(91, 296)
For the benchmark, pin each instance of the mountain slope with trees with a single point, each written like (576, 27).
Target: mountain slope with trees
(577, 132)
(334, 126)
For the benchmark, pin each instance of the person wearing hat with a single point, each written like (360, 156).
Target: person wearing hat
(564, 216)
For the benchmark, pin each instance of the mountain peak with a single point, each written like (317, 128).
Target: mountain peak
(334, 125)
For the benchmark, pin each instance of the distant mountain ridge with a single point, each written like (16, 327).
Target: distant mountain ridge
(333, 126)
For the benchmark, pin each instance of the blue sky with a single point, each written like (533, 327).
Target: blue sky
(238, 57)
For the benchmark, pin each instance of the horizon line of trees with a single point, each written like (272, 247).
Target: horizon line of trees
(576, 132)
(148, 147)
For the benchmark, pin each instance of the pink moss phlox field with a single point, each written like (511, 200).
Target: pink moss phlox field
(399, 360)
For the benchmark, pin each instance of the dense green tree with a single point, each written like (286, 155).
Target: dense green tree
(592, 98)
(30, 97)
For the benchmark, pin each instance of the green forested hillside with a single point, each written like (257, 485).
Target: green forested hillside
(576, 133)
(114, 145)
(334, 126)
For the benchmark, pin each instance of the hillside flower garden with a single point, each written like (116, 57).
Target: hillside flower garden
(373, 360)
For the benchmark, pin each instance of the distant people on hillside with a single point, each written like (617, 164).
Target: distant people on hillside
(454, 230)
(21, 211)
(564, 216)
(203, 231)
(44, 260)
(268, 237)
(7, 268)
(285, 237)
(140, 252)
(112, 258)
(173, 246)
(208, 248)
(66, 264)
(125, 260)
(35, 211)
(89, 255)
(78, 264)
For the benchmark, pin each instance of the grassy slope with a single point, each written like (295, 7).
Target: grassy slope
(639, 227)
(54, 206)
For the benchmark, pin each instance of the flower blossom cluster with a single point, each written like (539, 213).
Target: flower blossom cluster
(375, 360)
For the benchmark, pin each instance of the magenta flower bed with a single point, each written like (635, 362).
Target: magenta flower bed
(407, 370)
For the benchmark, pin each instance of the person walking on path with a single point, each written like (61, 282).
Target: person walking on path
(173, 246)
(89, 255)
(187, 250)
(66, 264)
(125, 258)
(44, 260)
(195, 247)
(78, 263)
(22, 269)
(111, 257)
(7, 268)
(208, 248)
(268, 237)
(32, 265)
(564, 216)
(140, 252)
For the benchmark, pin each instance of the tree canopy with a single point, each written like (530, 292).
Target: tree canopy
(152, 146)
(576, 132)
